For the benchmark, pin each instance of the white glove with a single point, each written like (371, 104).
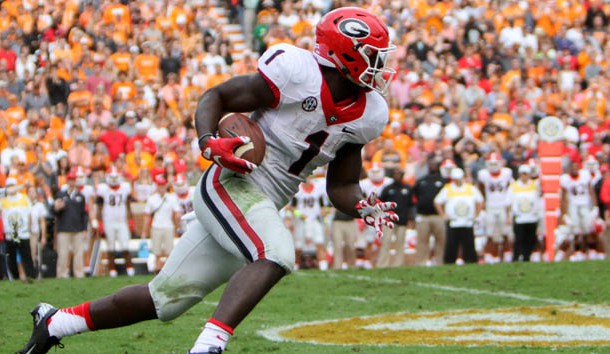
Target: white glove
(95, 224)
(376, 213)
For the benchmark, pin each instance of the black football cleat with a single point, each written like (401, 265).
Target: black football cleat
(40, 342)
(211, 350)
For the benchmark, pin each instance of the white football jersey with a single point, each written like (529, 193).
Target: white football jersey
(309, 202)
(305, 129)
(369, 187)
(186, 201)
(577, 188)
(115, 201)
(496, 187)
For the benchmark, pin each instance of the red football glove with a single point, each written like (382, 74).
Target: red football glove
(376, 213)
(220, 151)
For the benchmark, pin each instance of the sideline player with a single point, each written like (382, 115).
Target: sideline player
(494, 181)
(185, 194)
(374, 183)
(314, 110)
(308, 210)
(578, 211)
(115, 213)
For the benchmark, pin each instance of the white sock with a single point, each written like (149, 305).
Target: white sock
(323, 264)
(559, 256)
(70, 321)
(213, 335)
(535, 257)
(508, 257)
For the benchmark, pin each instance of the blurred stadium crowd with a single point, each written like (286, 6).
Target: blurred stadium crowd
(92, 86)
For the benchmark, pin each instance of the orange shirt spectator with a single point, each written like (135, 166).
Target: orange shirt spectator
(147, 65)
(123, 89)
(117, 13)
(122, 59)
(80, 97)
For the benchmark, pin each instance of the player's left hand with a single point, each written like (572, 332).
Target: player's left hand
(376, 213)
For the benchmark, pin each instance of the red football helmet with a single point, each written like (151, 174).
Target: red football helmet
(357, 43)
(494, 163)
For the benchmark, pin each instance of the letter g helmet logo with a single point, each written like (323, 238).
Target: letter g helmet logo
(354, 28)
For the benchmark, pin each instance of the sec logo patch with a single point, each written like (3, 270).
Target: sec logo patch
(309, 104)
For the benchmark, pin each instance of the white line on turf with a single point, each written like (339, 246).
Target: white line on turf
(440, 287)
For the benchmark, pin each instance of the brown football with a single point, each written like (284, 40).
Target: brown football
(237, 124)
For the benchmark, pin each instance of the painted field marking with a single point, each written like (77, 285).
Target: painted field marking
(505, 294)
(548, 326)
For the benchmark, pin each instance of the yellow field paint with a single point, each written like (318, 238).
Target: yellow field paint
(549, 326)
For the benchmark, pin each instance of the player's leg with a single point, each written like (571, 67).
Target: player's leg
(298, 235)
(317, 232)
(383, 258)
(338, 244)
(451, 246)
(439, 230)
(398, 259)
(469, 252)
(196, 267)
(246, 224)
(350, 235)
(111, 240)
(63, 255)
(123, 236)
(519, 242)
(424, 227)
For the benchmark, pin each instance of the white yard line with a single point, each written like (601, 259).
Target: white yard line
(439, 287)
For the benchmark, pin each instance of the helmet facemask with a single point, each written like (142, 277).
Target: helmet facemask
(377, 75)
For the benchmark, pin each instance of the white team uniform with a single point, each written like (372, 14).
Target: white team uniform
(580, 205)
(186, 206)
(496, 202)
(238, 219)
(370, 234)
(114, 215)
(308, 228)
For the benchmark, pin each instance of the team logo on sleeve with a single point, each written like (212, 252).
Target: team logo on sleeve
(309, 104)
(354, 28)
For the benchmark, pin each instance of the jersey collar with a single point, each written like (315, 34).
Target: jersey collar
(338, 113)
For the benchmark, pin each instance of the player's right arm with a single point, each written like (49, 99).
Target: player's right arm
(245, 93)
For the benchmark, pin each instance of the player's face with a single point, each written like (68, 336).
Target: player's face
(574, 168)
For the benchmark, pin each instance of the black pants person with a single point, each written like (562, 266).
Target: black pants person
(456, 238)
(525, 240)
(23, 247)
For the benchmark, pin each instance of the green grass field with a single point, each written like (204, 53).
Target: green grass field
(317, 296)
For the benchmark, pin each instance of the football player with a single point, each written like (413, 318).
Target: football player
(314, 109)
(494, 181)
(578, 211)
(185, 194)
(115, 212)
(308, 209)
(372, 185)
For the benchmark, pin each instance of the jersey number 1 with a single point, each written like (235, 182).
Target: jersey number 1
(315, 141)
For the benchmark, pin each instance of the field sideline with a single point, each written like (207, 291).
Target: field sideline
(564, 296)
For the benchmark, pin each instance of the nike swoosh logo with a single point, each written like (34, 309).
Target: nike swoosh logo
(31, 349)
(220, 338)
(347, 131)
